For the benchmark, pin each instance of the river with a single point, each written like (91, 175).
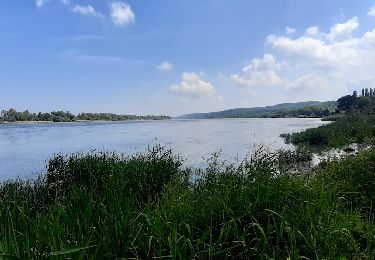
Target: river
(25, 148)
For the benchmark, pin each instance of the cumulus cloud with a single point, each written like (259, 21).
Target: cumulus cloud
(260, 72)
(371, 12)
(317, 64)
(309, 82)
(85, 10)
(312, 31)
(318, 50)
(193, 86)
(121, 14)
(336, 49)
(341, 31)
(165, 66)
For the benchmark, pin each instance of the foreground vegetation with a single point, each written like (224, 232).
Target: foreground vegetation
(60, 116)
(105, 206)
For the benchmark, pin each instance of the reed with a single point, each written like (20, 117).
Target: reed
(105, 206)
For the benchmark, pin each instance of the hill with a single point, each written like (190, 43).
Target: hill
(299, 109)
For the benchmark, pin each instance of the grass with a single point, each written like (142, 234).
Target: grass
(346, 130)
(106, 206)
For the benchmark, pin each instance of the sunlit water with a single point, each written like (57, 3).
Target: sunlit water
(25, 148)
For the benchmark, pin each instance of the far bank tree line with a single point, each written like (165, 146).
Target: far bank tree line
(354, 104)
(354, 123)
(12, 115)
(317, 111)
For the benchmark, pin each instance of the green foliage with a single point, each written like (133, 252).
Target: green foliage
(12, 116)
(346, 103)
(114, 117)
(353, 104)
(108, 206)
(140, 177)
(354, 122)
(350, 181)
(60, 116)
(300, 109)
(350, 129)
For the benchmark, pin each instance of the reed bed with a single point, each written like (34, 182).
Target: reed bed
(109, 206)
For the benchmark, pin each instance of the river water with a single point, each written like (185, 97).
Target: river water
(25, 148)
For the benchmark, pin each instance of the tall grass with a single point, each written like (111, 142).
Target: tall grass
(346, 130)
(106, 206)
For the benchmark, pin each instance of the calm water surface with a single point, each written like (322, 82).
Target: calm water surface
(25, 148)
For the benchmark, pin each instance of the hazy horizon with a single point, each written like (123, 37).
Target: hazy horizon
(179, 57)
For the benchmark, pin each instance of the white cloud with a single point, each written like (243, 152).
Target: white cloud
(318, 51)
(312, 31)
(315, 64)
(309, 82)
(193, 86)
(165, 66)
(290, 31)
(260, 72)
(85, 10)
(40, 3)
(121, 14)
(371, 12)
(342, 31)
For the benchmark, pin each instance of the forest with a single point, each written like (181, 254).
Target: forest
(12, 115)
(309, 109)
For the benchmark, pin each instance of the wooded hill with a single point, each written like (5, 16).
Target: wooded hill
(299, 109)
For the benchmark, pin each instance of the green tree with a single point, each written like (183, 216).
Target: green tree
(346, 103)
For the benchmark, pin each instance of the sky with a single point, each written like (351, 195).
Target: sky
(181, 56)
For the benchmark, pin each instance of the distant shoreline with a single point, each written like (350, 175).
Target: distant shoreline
(24, 122)
(75, 121)
(138, 120)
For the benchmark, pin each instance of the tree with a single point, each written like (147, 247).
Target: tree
(355, 94)
(346, 103)
(363, 92)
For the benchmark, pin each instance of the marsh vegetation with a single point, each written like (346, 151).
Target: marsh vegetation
(105, 205)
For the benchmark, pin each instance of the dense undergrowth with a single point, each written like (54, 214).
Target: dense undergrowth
(105, 206)
(346, 130)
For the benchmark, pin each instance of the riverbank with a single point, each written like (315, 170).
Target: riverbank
(76, 121)
(24, 122)
(65, 116)
(346, 130)
(104, 205)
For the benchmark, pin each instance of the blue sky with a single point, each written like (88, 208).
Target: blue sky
(181, 56)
